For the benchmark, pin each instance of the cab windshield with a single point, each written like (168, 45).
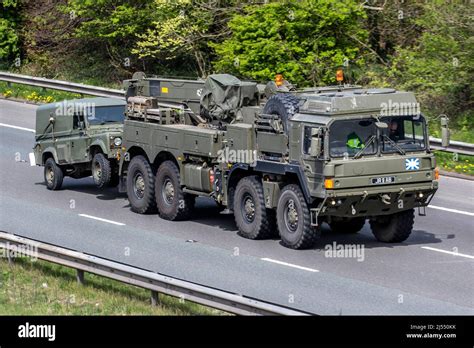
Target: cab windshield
(105, 114)
(359, 137)
(350, 137)
(403, 132)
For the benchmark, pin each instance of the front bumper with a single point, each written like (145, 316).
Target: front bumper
(377, 200)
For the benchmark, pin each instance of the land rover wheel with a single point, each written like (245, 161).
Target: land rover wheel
(141, 186)
(101, 170)
(251, 217)
(347, 225)
(172, 202)
(53, 175)
(393, 228)
(294, 221)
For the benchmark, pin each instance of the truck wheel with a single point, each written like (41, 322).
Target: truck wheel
(172, 202)
(294, 221)
(284, 105)
(53, 175)
(351, 225)
(393, 228)
(101, 170)
(141, 186)
(251, 216)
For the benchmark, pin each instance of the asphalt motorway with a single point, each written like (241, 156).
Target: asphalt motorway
(430, 273)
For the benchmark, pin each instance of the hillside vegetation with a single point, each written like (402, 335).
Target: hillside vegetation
(418, 45)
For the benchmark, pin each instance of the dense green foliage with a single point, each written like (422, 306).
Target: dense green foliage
(418, 45)
(9, 38)
(305, 40)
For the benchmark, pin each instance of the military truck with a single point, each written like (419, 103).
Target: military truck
(79, 138)
(282, 160)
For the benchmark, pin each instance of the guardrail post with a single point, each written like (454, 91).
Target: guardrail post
(9, 257)
(155, 298)
(80, 276)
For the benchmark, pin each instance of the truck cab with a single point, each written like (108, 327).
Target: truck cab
(366, 156)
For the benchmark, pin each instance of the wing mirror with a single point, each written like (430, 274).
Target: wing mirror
(445, 133)
(381, 125)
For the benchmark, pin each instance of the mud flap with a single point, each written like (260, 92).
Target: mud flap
(422, 211)
(122, 186)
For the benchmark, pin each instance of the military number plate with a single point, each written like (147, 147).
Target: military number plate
(383, 180)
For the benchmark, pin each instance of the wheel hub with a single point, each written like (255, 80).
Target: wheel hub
(168, 191)
(291, 216)
(139, 186)
(249, 208)
(50, 175)
(97, 171)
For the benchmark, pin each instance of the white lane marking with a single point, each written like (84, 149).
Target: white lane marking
(451, 210)
(448, 252)
(289, 265)
(31, 155)
(16, 127)
(100, 219)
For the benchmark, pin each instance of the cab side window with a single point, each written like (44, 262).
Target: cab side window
(76, 121)
(306, 140)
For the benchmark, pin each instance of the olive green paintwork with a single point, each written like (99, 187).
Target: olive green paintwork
(279, 156)
(69, 142)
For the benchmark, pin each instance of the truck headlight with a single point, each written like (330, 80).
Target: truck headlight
(117, 142)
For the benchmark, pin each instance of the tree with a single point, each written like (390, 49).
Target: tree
(112, 26)
(304, 40)
(9, 38)
(439, 65)
(183, 29)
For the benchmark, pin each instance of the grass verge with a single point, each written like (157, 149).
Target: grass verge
(42, 288)
(451, 162)
(35, 94)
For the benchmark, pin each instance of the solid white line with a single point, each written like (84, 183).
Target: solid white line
(448, 252)
(451, 210)
(16, 127)
(289, 265)
(100, 219)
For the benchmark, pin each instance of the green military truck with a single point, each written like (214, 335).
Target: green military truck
(79, 138)
(282, 160)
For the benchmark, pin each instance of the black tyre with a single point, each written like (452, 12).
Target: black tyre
(284, 105)
(348, 225)
(114, 180)
(172, 202)
(251, 217)
(141, 186)
(53, 175)
(393, 228)
(101, 170)
(294, 220)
